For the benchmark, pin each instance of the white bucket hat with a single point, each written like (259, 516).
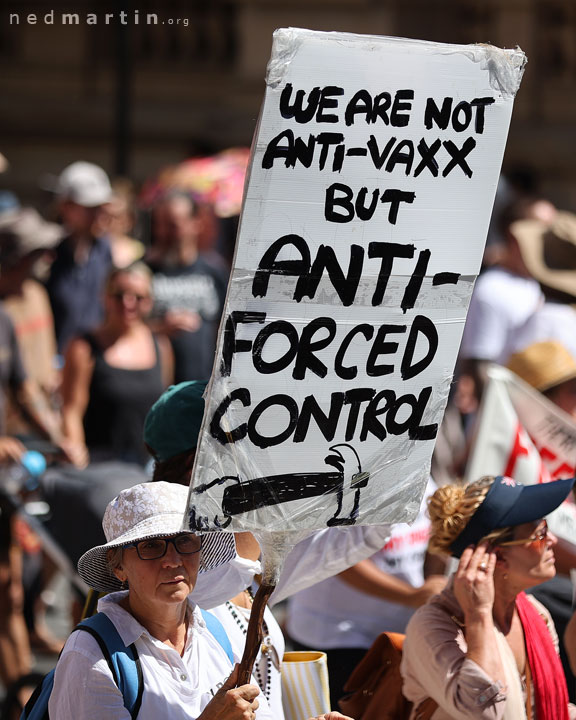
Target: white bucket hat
(154, 509)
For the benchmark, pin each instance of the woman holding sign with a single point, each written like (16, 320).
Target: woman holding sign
(186, 663)
(171, 434)
(483, 648)
(149, 567)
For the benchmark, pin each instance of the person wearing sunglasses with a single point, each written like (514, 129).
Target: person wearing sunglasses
(114, 374)
(483, 648)
(550, 368)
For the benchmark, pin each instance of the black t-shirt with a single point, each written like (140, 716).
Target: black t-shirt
(200, 288)
(118, 405)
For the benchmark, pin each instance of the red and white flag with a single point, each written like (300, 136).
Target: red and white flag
(521, 434)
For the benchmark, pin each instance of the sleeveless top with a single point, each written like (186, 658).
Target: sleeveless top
(117, 408)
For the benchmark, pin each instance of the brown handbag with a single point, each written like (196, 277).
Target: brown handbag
(374, 690)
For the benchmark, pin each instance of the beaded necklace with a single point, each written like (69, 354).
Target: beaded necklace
(267, 651)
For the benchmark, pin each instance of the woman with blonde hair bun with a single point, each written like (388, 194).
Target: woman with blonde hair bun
(451, 507)
(483, 648)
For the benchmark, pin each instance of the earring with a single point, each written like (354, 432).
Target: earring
(124, 585)
(505, 576)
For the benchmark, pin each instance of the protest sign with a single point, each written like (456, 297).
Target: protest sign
(521, 434)
(372, 179)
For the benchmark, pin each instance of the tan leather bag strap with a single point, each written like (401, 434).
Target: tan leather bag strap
(426, 709)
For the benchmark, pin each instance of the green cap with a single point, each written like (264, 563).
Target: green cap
(173, 423)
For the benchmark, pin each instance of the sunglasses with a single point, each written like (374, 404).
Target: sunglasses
(121, 295)
(155, 548)
(539, 538)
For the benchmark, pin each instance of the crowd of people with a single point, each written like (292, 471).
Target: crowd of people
(108, 321)
(94, 325)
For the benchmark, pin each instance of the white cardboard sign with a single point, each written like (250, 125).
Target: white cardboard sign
(372, 180)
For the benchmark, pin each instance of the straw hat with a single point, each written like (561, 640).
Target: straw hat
(549, 250)
(148, 510)
(543, 365)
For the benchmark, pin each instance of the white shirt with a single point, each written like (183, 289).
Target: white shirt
(333, 614)
(501, 304)
(214, 587)
(326, 553)
(551, 321)
(266, 670)
(175, 687)
(320, 555)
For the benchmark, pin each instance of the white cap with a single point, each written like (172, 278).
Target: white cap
(85, 184)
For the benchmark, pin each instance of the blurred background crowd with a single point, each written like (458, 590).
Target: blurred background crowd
(124, 153)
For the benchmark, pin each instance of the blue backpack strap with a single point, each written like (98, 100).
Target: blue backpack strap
(124, 662)
(37, 706)
(215, 627)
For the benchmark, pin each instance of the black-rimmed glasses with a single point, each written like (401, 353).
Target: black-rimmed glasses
(155, 548)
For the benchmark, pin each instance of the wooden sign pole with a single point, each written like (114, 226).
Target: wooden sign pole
(254, 633)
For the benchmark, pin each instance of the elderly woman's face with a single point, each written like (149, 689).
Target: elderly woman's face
(531, 562)
(169, 579)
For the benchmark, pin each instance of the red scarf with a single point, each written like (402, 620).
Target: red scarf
(550, 693)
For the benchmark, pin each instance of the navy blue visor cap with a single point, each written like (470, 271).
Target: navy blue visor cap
(508, 503)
